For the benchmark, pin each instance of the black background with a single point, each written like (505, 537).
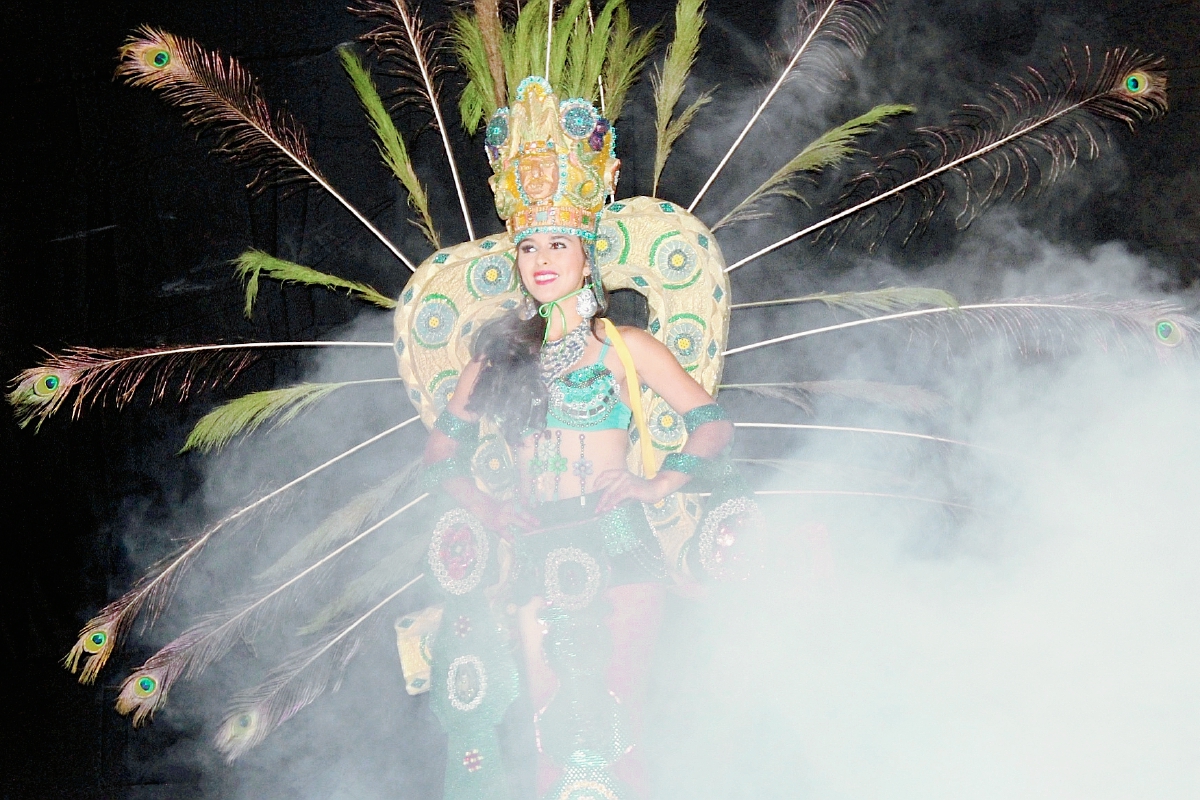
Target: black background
(118, 226)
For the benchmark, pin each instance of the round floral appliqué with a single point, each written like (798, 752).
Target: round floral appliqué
(458, 551)
(610, 243)
(435, 321)
(666, 426)
(493, 465)
(685, 339)
(490, 276)
(466, 683)
(443, 388)
(572, 578)
(676, 261)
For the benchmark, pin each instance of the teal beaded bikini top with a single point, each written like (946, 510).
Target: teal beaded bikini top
(587, 399)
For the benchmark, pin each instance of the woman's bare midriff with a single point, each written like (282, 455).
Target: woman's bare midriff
(600, 451)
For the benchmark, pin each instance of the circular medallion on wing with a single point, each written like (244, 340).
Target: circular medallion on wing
(435, 320)
(491, 275)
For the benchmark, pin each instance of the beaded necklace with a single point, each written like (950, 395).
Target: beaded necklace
(557, 357)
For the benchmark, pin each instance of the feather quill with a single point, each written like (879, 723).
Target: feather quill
(216, 93)
(254, 263)
(669, 82)
(795, 426)
(292, 686)
(1038, 324)
(208, 640)
(882, 495)
(909, 399)
(890, 299)
(403, 41)
(390, 144)
(91, 375)
(360, 591)
(339, 525)
(100, 637)
(831, 149)
(1026, 135)
(823, 23)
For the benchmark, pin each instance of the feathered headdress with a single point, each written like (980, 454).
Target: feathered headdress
(554, 162)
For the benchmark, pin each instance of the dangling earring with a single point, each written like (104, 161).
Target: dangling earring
(528, 308)
(585, 302)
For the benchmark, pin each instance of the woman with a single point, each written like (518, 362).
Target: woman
(552, 408)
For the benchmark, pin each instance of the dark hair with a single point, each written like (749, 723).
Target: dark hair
(509, 388)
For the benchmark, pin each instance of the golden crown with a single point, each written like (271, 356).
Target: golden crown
(555, 162)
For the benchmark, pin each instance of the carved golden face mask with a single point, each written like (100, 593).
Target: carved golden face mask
(538, 175)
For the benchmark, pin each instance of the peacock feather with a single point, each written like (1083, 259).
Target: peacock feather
(1021, 138)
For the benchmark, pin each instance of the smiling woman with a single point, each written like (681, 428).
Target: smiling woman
(563, 384)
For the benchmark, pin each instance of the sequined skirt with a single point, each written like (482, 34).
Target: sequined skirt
(575, 555)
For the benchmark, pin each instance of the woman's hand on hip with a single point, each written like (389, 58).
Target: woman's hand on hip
(620, 486)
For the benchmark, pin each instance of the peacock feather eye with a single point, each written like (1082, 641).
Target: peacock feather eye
(1168, 333)
(95, 642)
(145, 686)
(47, 385)
(1137, 82)
(160, 58)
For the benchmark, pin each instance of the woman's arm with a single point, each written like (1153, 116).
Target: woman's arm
(442, 451)
(659, 370)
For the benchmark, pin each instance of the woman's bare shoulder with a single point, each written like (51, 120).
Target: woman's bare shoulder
(641, 342)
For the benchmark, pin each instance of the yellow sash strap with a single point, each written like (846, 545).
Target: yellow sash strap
(635, 398)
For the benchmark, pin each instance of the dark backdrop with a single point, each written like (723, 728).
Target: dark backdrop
(118, 226)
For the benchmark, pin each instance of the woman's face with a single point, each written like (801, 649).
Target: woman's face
(552, 265)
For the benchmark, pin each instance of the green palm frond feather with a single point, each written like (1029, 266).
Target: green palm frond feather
(245, 414)
(592, 67)
(253, 263)
(896, 298)
(669, 82)
(572, 83)
(584, 55)
(390, 144)
(832, 148)
(627, 51)
(478, 101)
(525, 48)
(564, 30)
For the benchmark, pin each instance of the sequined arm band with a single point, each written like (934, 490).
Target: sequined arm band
(437, 472)
(457, 429)
(686, 463)
(701, 415)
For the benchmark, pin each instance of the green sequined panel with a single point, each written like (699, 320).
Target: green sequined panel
(701, 415)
